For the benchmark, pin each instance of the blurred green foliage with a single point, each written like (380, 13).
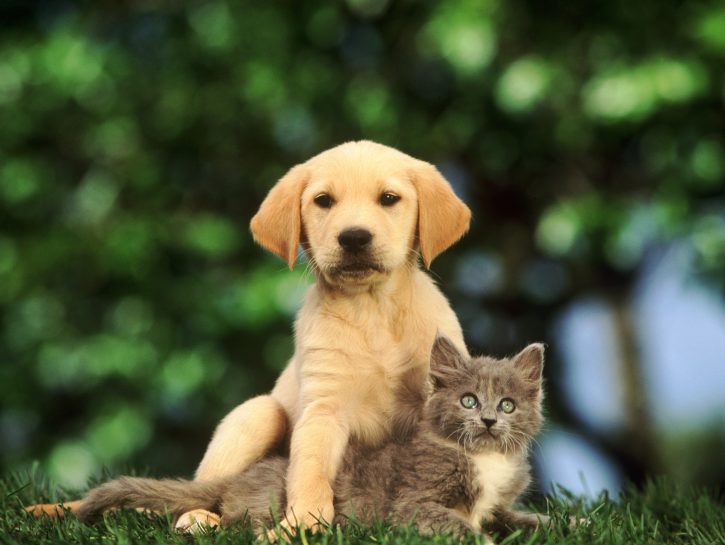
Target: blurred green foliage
(138, 138)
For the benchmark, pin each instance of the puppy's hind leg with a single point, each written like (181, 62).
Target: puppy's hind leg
(53, 510)
(243, 437)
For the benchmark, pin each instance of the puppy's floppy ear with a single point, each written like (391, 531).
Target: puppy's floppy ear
(530, 361)
(443, 218)
(445, 361)
(277, 225)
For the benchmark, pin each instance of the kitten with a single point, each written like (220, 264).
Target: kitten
(461, 469)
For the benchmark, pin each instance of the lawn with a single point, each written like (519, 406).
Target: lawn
(661, 513)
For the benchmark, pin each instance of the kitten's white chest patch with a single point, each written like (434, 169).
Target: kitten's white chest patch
(493, 473)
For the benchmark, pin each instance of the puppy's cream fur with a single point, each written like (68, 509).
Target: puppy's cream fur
(362, 338)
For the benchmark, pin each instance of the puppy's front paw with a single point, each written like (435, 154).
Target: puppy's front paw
(196, 521)
(292, 523)
(282, 532)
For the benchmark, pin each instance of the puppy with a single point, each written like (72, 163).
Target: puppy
(364, 214)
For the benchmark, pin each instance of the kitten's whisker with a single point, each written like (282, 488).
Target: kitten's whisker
(506, 440)
(512, 442)
(459, 435)
(457, 432)
(522, 439)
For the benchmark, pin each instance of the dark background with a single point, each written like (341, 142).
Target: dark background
(137, 139)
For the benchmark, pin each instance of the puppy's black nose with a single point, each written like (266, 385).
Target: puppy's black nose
(489, 422)
(354, 240)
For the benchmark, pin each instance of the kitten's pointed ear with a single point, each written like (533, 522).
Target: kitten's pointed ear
(530, 361)
(445, 360)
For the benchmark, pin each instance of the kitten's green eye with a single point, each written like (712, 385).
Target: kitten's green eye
(469, 401)
(507, 405)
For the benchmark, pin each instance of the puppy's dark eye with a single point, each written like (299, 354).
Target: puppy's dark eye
(389, 199)
(323, 200)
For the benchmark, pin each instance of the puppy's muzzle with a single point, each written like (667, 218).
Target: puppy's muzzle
(355, 240)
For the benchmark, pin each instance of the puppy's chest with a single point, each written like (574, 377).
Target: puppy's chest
(374, 350)
(387, 377)
(376, 363)
(493, 475)
(383, 390)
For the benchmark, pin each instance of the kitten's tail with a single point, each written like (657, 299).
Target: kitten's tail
(175, 496)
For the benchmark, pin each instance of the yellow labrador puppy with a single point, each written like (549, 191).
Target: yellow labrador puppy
(363, 213)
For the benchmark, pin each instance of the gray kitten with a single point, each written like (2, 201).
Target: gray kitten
(461, 469)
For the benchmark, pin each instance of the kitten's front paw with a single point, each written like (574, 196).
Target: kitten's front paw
(197, 521)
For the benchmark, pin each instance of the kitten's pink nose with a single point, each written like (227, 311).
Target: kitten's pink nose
(489, 422)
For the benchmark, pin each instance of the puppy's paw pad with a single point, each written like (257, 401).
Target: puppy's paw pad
(282, 533)
(196, 521)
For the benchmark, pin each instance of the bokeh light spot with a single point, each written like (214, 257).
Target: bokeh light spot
(480, 274)
(708, 238)
(11, 83)
(83, 363)
(369, 100)
(523, 84)
(213, 24)
(710, 28)
(462, 33)
(634, 92)
(70, 61)
(71, 463)
(325, 27)
(568, 460)
(707, 162)
(94, 198)
(132, 316)
(117, 434)
(19, 181)
(211, 235)
(558, 230)
(8, 255)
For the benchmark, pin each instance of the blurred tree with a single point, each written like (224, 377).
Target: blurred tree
(138, 138)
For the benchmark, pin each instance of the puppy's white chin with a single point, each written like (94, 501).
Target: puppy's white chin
(354, 277)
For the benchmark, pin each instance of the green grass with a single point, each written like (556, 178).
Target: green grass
(661, 513)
